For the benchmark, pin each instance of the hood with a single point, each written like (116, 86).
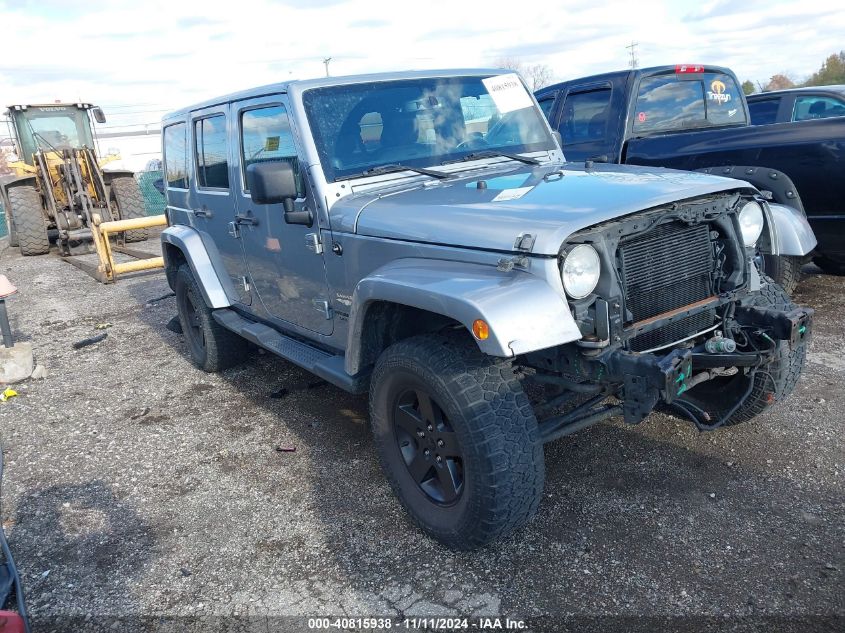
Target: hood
(549, 202)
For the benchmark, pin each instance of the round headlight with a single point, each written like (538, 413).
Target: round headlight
(751, 223)
(580, 271)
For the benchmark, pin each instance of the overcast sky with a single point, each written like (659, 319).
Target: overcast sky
(140, 58)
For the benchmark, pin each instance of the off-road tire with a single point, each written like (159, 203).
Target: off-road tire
(829, 265)
(775, 381)
(495, 427)
(28, 217)
(785, 270)
(126, 196)
(211, 347)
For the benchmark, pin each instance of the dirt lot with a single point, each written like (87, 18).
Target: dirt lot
(137, 485)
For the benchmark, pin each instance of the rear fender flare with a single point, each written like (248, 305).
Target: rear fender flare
(204, 261)
(524, 313)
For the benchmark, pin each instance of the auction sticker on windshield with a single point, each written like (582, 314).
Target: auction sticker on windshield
(507, 92)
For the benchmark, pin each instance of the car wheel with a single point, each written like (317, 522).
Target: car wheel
(211, 346)
(128, 201)
(772, 382)
(830, 265)
(28, 217)
(785, 270)
(457, 439)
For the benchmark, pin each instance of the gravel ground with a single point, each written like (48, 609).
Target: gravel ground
(137, 485)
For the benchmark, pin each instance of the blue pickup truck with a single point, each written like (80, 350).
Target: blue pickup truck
(696, 117)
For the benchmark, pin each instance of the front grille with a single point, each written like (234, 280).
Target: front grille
(665, 269)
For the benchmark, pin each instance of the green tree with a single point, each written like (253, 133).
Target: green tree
(832, 71)
(748, 87)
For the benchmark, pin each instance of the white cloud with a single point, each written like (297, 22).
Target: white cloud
(138, 59)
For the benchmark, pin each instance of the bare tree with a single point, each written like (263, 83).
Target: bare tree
(537, 75)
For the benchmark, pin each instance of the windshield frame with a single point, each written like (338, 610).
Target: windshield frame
(336, 174)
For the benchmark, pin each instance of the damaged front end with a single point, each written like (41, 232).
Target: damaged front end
(679, 319)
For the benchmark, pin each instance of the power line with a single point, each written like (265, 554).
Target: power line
(632, 47)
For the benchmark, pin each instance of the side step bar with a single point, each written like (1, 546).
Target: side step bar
(329, 367)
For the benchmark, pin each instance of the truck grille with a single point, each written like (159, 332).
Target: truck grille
(665, 269)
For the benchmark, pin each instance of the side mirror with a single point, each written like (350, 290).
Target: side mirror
(98, 114)
(271, 182)
(274, 182)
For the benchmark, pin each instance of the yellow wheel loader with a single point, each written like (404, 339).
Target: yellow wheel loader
(60, 192)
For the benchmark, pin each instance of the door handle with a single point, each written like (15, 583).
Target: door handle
(202, 213)
(240, 218)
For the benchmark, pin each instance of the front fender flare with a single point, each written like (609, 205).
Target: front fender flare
(189, 242)
(524, 312)
(792, 234)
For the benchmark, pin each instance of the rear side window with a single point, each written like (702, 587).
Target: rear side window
(764, 112)
(212, 166)
(684, 101)
(585, 117)
(266, 136)
(176, 156)
(807, 108)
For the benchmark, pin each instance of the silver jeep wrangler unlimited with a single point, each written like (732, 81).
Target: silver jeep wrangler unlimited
(419, 235)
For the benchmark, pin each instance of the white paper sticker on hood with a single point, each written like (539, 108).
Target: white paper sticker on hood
(512, 194)
(507, 92)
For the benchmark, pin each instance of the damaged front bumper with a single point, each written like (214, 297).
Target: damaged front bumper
(649, 379)
(641, 381)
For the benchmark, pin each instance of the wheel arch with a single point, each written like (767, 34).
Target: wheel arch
(182, 244)
(443, 293)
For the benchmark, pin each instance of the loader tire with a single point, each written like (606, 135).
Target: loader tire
(27, 215)
(10, 226)
(126, 196)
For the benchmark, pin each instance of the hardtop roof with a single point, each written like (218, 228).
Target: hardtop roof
(321, 82)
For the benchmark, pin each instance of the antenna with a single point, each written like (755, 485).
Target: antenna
(326, 63)
(632, 47)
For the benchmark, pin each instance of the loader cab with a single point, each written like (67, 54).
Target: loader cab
(52, 127)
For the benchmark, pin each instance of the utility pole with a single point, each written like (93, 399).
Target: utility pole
(326, 63)
(632, 47)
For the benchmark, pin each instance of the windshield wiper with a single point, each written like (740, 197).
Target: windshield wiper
(493, 153)
(389, 169)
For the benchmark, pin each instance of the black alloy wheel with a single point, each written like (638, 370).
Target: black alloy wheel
(429, 446)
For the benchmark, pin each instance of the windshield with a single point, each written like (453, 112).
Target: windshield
(681, 101)
(421, 122)
(52, 127)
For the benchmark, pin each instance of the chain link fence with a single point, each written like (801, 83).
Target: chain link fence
(153, 198)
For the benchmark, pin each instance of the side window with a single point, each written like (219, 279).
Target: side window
(816, 108)
(585, 117)
(176, 156)
(667, 103)
(212, 166)
(266, 136)
(764, 112)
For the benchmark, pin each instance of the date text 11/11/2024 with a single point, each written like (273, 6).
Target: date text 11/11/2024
(418, 624)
